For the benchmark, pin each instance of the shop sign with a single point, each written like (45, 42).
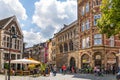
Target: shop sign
(85, 61)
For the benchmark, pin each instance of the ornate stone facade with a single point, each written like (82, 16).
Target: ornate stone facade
(67, 45)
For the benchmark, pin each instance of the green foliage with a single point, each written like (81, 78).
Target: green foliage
(6, 66)
(109, 23)
(42, 67)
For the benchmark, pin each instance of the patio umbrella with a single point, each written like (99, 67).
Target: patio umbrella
(25, 61)
(34, 60)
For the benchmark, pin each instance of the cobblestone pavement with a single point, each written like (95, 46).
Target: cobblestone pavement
(62, 77)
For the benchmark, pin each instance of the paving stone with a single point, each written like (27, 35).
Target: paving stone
(63, 77)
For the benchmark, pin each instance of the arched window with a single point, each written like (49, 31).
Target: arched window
(71, 34)
(65, 36)
(61, 48)
(65, 47)
(71, 45)
(74, 32)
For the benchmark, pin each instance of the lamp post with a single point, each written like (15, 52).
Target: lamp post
(12, 35)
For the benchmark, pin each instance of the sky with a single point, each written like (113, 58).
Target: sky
(39, 19)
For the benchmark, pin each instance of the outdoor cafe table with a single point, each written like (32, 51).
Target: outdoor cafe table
(26, 72)
(20, 72)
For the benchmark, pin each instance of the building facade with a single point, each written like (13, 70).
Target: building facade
(95, 48)
(67, 45)
(52, 51)
(7, 43)
(38, 52)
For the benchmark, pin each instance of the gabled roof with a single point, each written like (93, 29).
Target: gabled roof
(4, 21)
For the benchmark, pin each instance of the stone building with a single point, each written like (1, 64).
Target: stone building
(95, 48)
(67, 45)
(9, 27)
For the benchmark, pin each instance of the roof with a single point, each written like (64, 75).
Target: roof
(68, 26)
(4, 21)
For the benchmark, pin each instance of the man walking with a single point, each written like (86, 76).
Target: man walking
(54, 70)
(64, 69)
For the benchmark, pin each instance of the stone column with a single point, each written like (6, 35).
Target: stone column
(105, 59)
(80, 61)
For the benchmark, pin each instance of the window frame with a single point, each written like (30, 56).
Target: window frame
(87, 7)
(98, 37)
(96, 17)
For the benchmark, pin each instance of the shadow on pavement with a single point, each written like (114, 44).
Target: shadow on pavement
(93, 77)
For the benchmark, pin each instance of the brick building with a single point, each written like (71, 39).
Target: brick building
(95, 48)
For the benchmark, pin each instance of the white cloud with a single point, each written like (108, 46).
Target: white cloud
(32, 38)
(50, 15)
(12, 7)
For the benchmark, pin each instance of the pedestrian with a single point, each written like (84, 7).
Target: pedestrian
(64, 69)
(95, 70)
(54, 70)
(47, 71)
(72, 69)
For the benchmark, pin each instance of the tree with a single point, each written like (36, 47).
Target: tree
(109, 23)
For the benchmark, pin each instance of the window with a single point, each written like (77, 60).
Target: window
(65, 36)
(86, 42)
(61, 48)
(97, 39)
(87, 25)
(87, 7)
(5, 41)
(112, 41)
(13, 56)
(96, 3)
(8, 42)
(83, 43)
(71, 45)
(6, 56)
(83, 10)
(96, 17)
(65, 47)
(18, 56)
(83, 26)
(74, 31)
(68, 35)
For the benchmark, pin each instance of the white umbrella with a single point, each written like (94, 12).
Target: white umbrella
(25, 61)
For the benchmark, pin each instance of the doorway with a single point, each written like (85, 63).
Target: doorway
(97, 59)
(72, 62)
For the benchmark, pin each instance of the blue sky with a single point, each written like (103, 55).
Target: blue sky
(39, 19)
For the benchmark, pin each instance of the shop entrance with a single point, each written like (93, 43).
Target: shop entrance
(72, 62)
(97, 62)
(97, 59)
(85, 61)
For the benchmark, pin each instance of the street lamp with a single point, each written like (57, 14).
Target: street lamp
(12, 35)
